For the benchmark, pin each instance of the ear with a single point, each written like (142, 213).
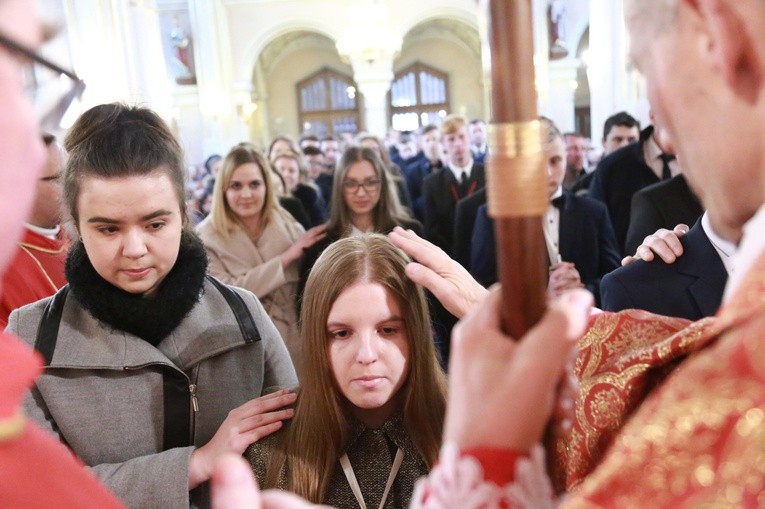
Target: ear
(730, 48)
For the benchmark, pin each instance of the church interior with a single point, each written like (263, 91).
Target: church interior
(225, 71)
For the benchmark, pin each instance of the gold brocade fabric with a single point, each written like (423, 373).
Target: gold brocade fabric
(698, 441)
(621, 359)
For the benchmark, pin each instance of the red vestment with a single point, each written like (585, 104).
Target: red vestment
(36, 272)
(36, 470)
(663, 419)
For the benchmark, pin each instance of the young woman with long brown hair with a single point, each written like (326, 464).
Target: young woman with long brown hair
(365, 202)
(371, 405)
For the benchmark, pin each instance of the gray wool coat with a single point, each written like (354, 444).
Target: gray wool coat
(102, 393)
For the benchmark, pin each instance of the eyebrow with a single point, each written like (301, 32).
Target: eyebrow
(147, 217)
(394, 318)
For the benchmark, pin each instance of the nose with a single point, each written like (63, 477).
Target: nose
(246, 191)
(366, 352)
(134, 245)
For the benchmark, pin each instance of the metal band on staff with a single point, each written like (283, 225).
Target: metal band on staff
(516, 176)
(517, 182)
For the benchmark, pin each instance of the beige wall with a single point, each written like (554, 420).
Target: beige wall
(282, 114)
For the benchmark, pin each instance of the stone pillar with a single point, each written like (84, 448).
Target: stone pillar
(560, 104)
(374, 79)
(222, 126)
(612, 87)
(98, 34)
(541, 58)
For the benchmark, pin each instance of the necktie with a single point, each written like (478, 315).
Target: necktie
(463, 184)
(666, 172)
(558, 202)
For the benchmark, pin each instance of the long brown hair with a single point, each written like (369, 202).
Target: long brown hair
(317, 436)
(223, 218)
(388, 211)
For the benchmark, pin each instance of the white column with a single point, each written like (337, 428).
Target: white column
(541, 58)
(612, 87)
(100, 56)
(374, 79)
(560, 103)
(221, 125)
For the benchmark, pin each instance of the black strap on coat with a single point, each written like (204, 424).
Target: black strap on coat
(176, 391)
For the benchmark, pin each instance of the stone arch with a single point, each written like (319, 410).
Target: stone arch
(275, 36)
(280, 65)
(453, 46)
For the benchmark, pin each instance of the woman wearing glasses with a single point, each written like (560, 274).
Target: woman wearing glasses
(153, 369)
(364, 202)
(253, 243)
(370, 412)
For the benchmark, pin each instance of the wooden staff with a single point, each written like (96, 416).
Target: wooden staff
(517, 180)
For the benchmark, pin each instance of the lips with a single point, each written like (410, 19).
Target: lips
(369, 382)
(137, 273)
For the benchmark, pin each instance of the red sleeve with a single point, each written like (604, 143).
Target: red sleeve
(498, 464)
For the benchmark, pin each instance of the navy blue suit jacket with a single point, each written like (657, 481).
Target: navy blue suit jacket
(619, 176)
(440, 194)
(691, 288)
(414, 173)
(586, 239)
(662, 205)
(464, 222)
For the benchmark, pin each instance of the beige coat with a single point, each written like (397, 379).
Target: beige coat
(257, 267)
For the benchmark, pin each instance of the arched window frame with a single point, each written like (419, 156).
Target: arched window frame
(420, 90)
(338, 114)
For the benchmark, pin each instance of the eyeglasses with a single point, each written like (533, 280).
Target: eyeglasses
(370, 186)
(50, 88)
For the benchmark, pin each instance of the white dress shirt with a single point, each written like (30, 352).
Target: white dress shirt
(457, 171)
(749, 249)
(551, 229)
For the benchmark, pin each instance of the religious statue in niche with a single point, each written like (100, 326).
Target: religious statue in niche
(182, 57)
(556, 24)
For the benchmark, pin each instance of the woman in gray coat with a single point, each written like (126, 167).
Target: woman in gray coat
(153, 369)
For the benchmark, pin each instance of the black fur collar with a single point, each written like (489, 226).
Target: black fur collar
(149, 319)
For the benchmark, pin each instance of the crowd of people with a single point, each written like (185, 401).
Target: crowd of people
(298, 331)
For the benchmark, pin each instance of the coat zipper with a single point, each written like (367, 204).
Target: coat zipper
(194, 402)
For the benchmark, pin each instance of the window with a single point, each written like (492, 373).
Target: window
(327, 104)
(419, 96)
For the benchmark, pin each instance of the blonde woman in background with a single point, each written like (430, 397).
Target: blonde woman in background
(253, 243)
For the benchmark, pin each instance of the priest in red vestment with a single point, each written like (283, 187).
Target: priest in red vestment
(36, 470)
(660, 419)
(37, 269)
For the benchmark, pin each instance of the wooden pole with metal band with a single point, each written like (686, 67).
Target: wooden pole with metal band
(517, 180)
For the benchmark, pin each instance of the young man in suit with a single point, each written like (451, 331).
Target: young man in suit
(580, 241)
(443, 189)
(619, 130)
(478, 140)
(429, 161)
(691, 287)
(628, 170)
(37, 269)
